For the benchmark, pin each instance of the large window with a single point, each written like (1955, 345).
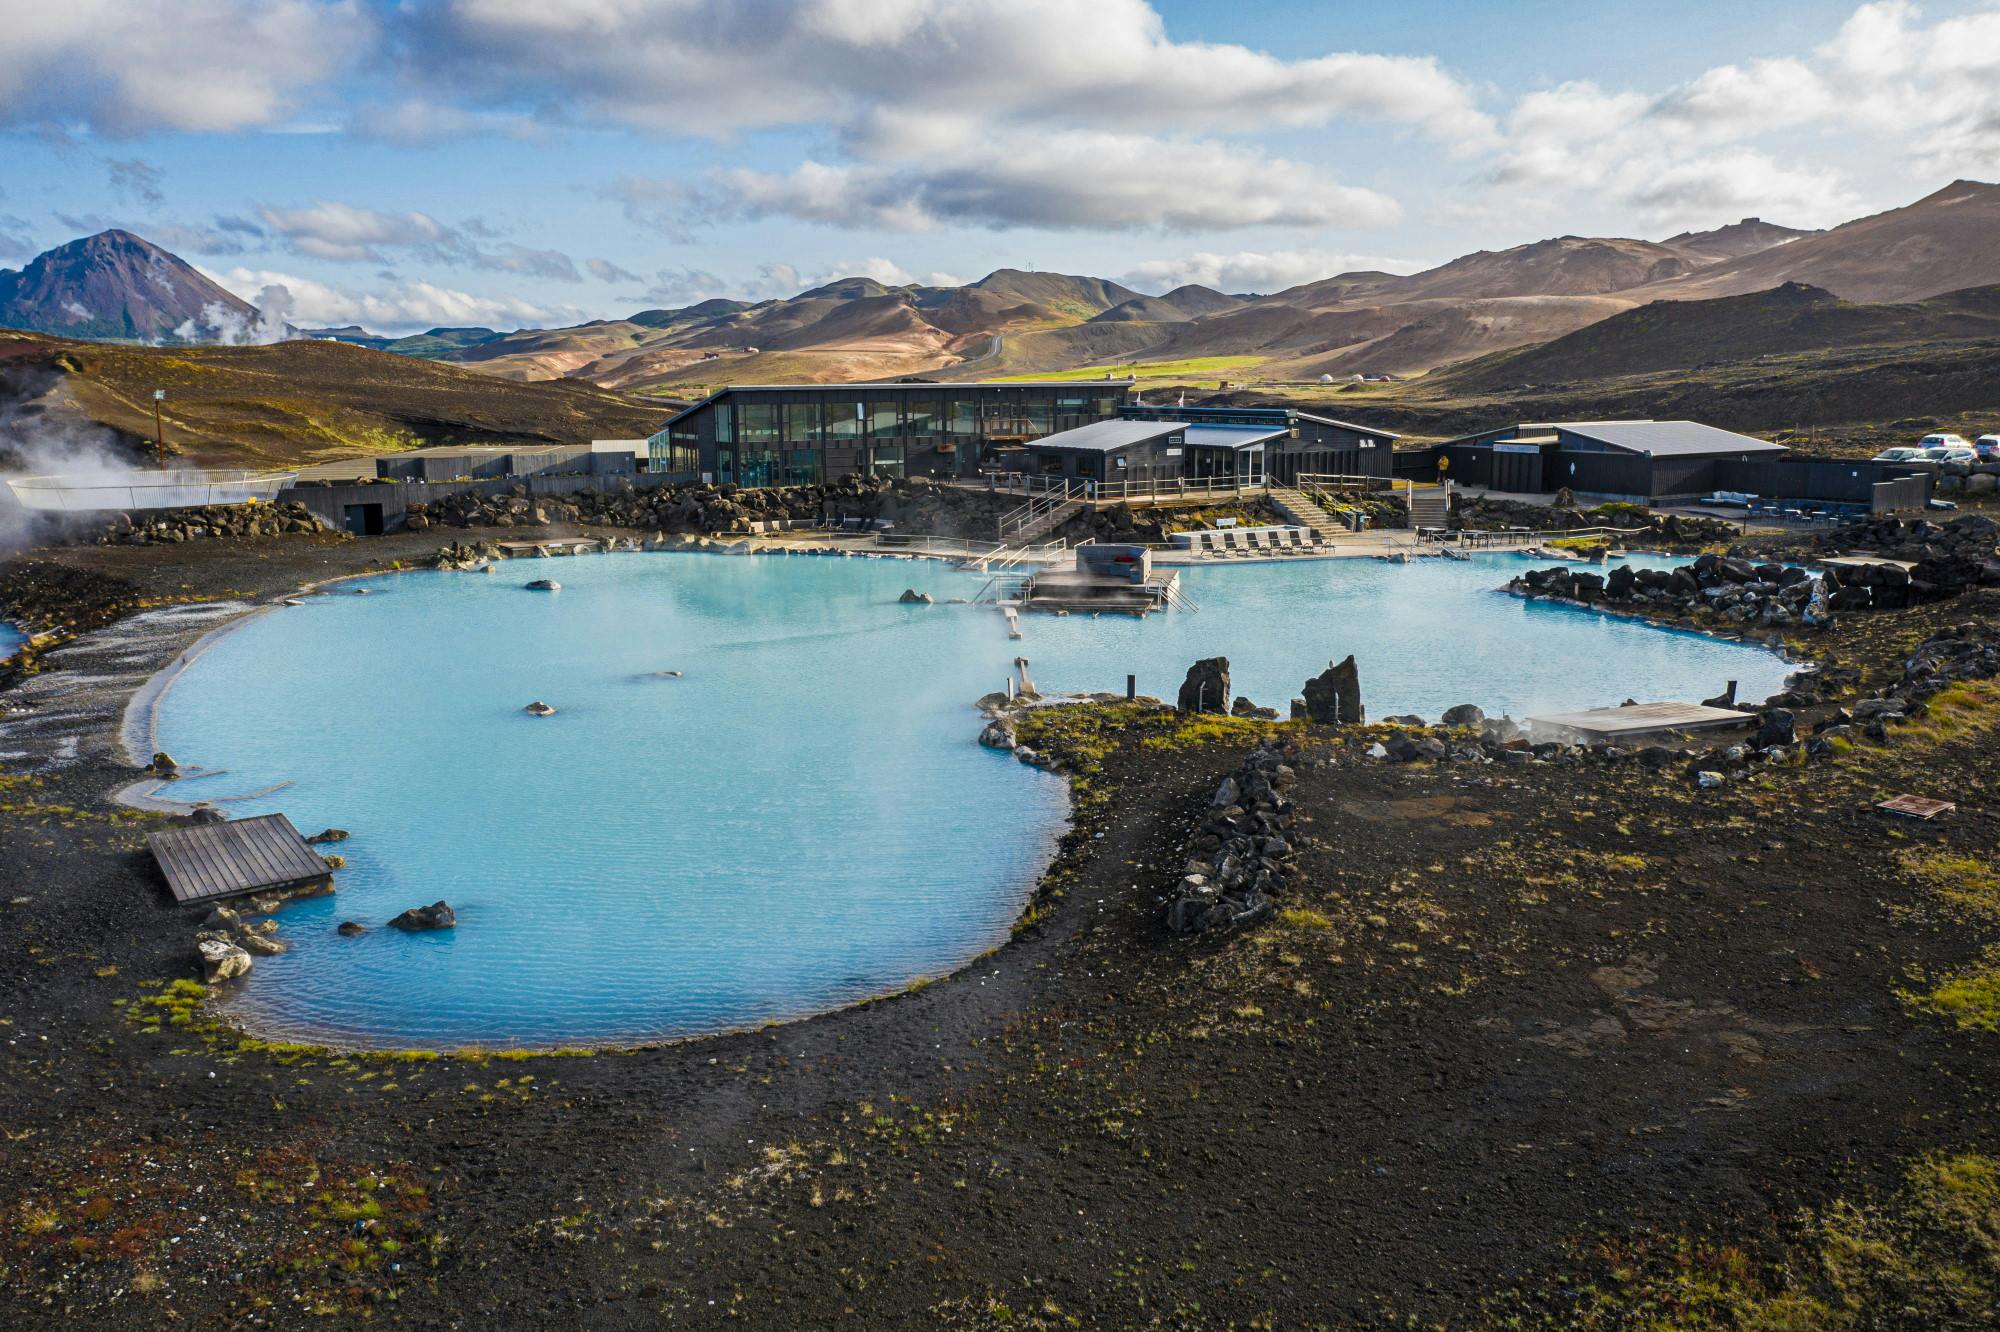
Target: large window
(725, 466)
(886, 460)
(802, 467)
(964, 418)
(758, 467)
(884, 421)
(923, 419)
(675, 450)
(760, 423)
(802, 423)
(725, 422)
(843, 421)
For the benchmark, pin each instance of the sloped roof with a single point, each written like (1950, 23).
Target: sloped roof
(1667, 439)
(1233, 437)
(1376, 431)
(1109, 436)
(1104, 436)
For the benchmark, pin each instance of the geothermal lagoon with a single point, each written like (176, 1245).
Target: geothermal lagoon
(799, 820)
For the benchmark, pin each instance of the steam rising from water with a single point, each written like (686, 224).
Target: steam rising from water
(36, 443)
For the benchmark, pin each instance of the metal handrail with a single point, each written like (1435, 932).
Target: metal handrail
(1023, 516)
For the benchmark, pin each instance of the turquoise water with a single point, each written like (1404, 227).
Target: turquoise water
(10, 638)
(799, 821)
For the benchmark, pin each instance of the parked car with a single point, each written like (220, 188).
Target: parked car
(1900, 454)
(1943, 442)
(1961, 453)
(1987, 447)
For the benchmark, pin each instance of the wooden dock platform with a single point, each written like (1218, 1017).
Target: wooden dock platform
(213, 861)
(1636, 719)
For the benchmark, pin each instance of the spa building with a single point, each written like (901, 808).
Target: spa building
(1081, 430)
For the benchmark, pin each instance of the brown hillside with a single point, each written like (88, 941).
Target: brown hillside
(1946, 241)
(298, 402)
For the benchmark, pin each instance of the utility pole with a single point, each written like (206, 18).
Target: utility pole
(159, 433)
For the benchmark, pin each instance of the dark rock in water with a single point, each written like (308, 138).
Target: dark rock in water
(1777, 727)
(1465, 714)
(330, 835)
(350, 928)
(1243, 707)
(1404, 719)
(1725, 699)
(544, 585)
(912, 597)
(1333, 698)
(1206, 688)
(208, 814)
(539, 709)
(436, 916)
(163, 764)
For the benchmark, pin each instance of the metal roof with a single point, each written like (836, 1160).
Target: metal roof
(1105, 436)
(1667, 439)
(1110, 436)
(1233, 437)
(1376, 431)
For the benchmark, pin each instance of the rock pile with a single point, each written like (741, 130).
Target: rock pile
(1948, 559)
(1764, 596)
(918, 503)
(1237, 863)
(211, 522)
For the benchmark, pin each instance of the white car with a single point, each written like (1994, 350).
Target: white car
(1943, 442)
(1899, 454)
(1962, 453)
(1987, 447)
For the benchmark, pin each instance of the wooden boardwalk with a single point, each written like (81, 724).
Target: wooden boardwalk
(212, 861)
(1639, 719)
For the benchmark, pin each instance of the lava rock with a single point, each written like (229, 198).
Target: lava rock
(1206, 688)
(437, 916)
(1333, 697)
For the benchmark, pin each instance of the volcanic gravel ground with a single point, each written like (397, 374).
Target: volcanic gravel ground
(1505, 1017)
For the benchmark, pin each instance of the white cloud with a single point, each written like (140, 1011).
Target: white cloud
(606, 271)
(139, 66)
(347, 234)
(1252, 271)
(402, 308)
(882, 69)
(1708, 150)
(1073, 181)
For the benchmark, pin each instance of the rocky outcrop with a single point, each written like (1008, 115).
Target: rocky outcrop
(539, 709)
(1764, 596)
(221, 958)
(912, 597)
(1206, 688)
(437, 916)
(1236, 865)
(543, 585)
(1333, 697)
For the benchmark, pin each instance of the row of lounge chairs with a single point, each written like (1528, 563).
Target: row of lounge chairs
(1257, 545)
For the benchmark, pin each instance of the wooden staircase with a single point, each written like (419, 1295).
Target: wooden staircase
(1302, 511)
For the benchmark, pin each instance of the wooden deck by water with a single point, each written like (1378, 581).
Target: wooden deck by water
(212, 861)
(1635, 719)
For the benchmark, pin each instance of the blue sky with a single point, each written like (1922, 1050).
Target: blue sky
(520, 162)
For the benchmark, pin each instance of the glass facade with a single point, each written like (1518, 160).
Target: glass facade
(802, 434)
(886, 460)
